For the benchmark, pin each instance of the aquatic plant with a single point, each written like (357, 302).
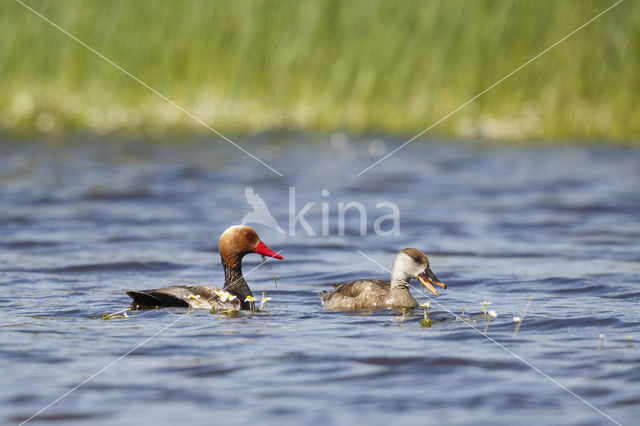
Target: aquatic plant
(518, 319)
(489, 316)
(425, 307)
(484, 307)
(263, 302)
(225, 295)
(629, 345)
(601, 341)
(119, 314)
(402, 316)
(252, 303)
(426, 321)
(229, 311)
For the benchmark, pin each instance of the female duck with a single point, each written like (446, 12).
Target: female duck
(376, 294)
(234, 244)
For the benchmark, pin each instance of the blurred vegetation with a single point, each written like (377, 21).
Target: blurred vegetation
(319, 65)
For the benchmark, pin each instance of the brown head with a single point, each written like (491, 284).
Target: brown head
(412, 263)
(239, 240)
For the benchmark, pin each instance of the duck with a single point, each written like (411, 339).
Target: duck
(235, 242)
(369, 294)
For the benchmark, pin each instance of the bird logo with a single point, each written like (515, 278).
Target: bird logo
(260, 214)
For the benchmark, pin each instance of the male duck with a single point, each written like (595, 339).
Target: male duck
(234, 244)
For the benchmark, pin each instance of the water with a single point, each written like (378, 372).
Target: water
(81, 221)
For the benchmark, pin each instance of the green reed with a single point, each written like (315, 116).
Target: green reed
(361, 65)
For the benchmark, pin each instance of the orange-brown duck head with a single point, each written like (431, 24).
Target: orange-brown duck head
(239, 240)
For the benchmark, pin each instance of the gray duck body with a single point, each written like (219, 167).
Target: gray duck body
(367, 294)
(378, 294)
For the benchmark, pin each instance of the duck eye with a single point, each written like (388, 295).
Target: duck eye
(247, 235)
(417, 259)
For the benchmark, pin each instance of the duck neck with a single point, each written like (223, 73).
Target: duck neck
(399, 283)
(399, 278)
(234, 282)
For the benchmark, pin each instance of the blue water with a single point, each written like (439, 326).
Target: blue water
(82, 220)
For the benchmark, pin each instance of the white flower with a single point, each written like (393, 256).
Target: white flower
(517, 319)
(485, 303)
(602, 336)
(493, 313)
(264, 301)
(231, 297)
(223, 295)
(249, 299)
(426, 304)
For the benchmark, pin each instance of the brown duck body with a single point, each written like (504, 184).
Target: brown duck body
(377, 294)
(367, 294)
(234, 244)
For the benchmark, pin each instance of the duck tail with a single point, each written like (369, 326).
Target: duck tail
(152, 298)
(324, 296)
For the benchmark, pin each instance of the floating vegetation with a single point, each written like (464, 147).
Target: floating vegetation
(426, 323)
(116, 315)
(229, 312)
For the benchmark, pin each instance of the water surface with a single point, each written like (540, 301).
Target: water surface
(81, 221)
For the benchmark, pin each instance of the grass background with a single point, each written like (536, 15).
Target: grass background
(356, 65)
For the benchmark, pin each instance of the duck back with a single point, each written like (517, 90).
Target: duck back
(355, 295)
